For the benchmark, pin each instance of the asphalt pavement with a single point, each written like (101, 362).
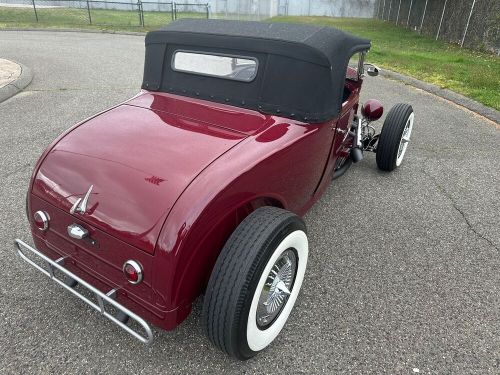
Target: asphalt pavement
(404, 269)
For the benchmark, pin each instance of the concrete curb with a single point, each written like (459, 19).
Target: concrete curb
(88, 31)
(453, 97)
(18, 84)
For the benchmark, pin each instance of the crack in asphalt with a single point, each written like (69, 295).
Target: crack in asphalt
(444, 192)
(17, 170)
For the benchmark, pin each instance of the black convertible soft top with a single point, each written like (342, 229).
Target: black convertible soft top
(301, 68)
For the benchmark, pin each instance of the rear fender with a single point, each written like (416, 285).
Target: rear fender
(186, 270)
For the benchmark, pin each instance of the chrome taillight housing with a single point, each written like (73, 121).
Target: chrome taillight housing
(41, 220)
(132, 271)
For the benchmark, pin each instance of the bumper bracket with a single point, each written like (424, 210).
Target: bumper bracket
(102, 298)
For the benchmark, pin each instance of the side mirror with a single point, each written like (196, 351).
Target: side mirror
(372, 70)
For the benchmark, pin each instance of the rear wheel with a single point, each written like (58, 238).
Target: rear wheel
(394, 137)
(255, 282)
(341, 166)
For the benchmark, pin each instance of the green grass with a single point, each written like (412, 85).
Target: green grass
(470, 73)
(102, 19)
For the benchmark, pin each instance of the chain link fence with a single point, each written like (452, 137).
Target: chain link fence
(99, 13)
(470, 23)
(157, 14)
(253, 10)
(191, 10)
(72, 12)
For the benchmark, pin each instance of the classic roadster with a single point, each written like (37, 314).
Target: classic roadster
(197, 185)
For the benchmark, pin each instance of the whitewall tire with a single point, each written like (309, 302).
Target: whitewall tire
(395, 137)
(255, 282)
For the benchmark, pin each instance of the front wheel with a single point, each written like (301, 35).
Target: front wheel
(255, 282)
(394, 137)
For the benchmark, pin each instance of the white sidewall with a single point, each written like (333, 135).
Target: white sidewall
(258, 339)
(399, 160)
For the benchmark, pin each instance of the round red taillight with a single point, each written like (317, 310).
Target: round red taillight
(132, 271)
(372, 110)
(41, 220)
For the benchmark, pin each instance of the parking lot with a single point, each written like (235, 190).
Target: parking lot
(404, 269)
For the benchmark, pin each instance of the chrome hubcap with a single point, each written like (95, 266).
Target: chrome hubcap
(277, 288)
(340, 162)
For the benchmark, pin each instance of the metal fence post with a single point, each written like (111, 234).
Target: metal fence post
(172, 10)
(399, 8)
(467, 26)
(88, 10)
(409, 13)
(175, 11)
(34, 8)
(423, 16)
(440, 22)
(141, 14)
(208, 13)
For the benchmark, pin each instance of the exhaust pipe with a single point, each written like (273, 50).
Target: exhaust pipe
(357, 152)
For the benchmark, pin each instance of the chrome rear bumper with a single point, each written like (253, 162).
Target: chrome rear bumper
(101, 298)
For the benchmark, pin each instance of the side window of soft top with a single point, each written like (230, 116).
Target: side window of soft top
(352, 73)
(353, 66)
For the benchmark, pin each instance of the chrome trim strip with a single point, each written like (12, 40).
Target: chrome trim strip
(101, 297)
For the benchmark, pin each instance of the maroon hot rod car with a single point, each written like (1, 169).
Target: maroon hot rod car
(196, 185)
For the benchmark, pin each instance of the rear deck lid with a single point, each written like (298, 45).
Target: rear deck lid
(138, 160)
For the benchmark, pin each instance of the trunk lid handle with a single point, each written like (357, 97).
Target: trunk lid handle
(78, 232)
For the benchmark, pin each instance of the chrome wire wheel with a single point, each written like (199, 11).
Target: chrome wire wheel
(277, 289)
(271, 304)
(405, 139)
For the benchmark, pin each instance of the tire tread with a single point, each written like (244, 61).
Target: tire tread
(227, 291)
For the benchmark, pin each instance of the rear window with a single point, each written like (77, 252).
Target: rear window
(237, 68)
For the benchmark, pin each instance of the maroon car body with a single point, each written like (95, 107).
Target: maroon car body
(165, 200)
(171, 177)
